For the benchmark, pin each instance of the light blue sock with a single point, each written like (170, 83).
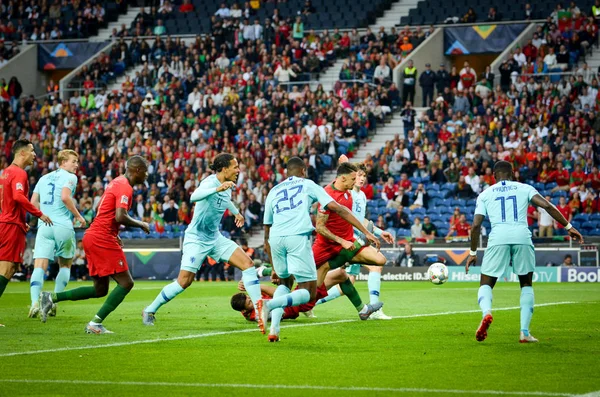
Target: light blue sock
(64, 275)
(36, 284)
(484, 298)
(374, 283)
(277, 314)
(527, 300)
(168, 293)
(251, 284)
(294, 298)
(332, 293)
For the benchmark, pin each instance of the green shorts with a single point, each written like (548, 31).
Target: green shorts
(292, 255)
(498, 258)
(195, 252)
(54, 241)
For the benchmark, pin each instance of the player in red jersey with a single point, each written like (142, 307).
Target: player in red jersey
(103, 248)
(335, 244)
(14, 206)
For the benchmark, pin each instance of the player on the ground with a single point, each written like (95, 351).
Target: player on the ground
(288, 229)
(506, 203)
(103, 249)
(359, 202)
(335, 244)
(14, 206)
(202, 236)
(53, 194)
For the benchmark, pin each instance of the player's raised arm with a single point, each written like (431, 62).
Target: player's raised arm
(539, 201)
(349, 217)
(202, 192)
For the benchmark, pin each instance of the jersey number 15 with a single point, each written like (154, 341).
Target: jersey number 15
(288, 195)
(503, 207)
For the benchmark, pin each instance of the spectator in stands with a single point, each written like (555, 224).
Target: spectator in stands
(463, 189)
(493, 15)
(408, 115)
(400, 219)
(170, 214)
(427, 83)
(461, 103)
(416, 230)
(468, 77)
(561, 177)
(470, 16)
(308, 8)
(545, 222)
(79, 270)
(421, 198)
(187, 6)
(409, 76)
(567, 212)
(568, 261)
(473, 180)
(399, 198)
(159, 29)
(442, 79)
(460, 229)
(528, 12)
(452, 173)
(407, 258)
(428, 229)
(223, 11)
(383, 73)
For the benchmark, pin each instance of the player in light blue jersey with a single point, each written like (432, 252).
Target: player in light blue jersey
(288, 229)
(202, 236)
(359, 208)
(505, 204)
(53, 194)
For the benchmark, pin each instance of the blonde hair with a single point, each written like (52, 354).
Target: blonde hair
(63, 155)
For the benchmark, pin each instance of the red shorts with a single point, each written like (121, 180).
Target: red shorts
(323, 253)
(12, 243)
(103, 261)
(294, 311)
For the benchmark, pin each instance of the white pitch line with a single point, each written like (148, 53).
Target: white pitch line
(290, 387)
(241, 331)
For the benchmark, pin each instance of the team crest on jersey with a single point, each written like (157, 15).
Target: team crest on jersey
(346, 196)
(124, 199)
(121, 263)
(19, 186)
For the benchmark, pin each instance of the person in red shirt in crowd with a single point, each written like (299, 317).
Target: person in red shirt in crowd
(488, 179)
(593, 179)
(344, 43)
(14, 206)
(104, 249)
(390, 190)
(291, 139)
(566, 211)
(532, 216)
(468, 76)
(405, 183)
(577, 178)
(544, 175)
(265, 171)
(461, 228)
(561, 177)
(88, 83)
(186, 6)
(368, 190)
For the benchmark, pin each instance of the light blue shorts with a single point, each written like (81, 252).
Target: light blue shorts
(195, 252)
(497, 259)
(353, 270)
(292, 255)
(54, 241)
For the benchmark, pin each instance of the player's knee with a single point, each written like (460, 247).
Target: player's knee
(128, 285)
(380, 260)
(185, 282)
(101, 291)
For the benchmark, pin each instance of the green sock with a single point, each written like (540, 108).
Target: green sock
(76, 294)
(3, 282)
(352, 294)
(114, 299)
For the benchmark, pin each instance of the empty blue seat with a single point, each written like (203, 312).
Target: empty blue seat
(582, 217)
(559, 193)
(138, 234)
(550, 185)
(167, 235)
(126, 235)
(168, 228)
(415, 179)
(433, 187)
(154, 234)
(588, 225)
(595, 217)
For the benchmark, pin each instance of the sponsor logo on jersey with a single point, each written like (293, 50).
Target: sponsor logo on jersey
(124, 199)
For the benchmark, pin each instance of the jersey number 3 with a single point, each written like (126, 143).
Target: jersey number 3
(286, 195)
(503, 207)
(51, 194)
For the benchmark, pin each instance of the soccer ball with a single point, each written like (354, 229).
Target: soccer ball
(437, 273)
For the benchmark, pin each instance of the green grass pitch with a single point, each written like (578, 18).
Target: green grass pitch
(200, 346)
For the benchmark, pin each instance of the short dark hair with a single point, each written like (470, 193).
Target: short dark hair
(19, 145)
(136, 162)
(346, 168)
(238, 302)
(295, 163)
(222, 160)
(503, 167)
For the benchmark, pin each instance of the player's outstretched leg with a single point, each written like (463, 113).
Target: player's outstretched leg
(484, 298)
(36, 283)
(374, 284)
(114, 299)
(62, 279)
(364, 311)
(294, 298)
(277, 314)
(332, 293)
(47, 299)
(527, 302)
(169, 292)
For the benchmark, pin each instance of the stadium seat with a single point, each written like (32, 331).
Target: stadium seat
(154, 234)
(550, 185)
(582, 217)
(126, 235)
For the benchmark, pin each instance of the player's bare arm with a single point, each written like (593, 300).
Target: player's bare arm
(325, 232)
(65, 196)
(541, 202)
(123, 218)
(349, 217)
(475, 233)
